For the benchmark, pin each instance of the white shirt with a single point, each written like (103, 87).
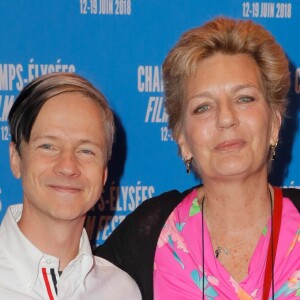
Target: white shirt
(27, 273)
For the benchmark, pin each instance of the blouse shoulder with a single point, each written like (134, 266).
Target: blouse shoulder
(294, 195)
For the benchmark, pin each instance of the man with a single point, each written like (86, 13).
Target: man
(62, 133)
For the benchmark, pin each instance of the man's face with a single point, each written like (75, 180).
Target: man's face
(63, 166)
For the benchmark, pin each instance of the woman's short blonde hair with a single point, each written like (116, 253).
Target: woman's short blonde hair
(228, 36)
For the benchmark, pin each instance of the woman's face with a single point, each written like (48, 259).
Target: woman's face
(227, 125)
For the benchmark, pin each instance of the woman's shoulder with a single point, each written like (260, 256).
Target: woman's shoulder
(294, 195)
(167, 199)
(161, 206)
(151, 214)
(139, 231)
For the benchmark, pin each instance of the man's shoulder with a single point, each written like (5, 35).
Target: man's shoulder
(103, 263)
(116, 283)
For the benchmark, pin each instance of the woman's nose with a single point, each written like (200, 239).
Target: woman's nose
(227, 115)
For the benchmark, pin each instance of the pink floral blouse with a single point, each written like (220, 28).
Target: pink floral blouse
(178, 267)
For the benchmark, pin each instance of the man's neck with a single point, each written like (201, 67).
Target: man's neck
(56, 238)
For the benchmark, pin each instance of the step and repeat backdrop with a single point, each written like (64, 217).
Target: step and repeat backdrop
(119, 45)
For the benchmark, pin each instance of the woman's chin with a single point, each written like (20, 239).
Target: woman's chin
(233, 169)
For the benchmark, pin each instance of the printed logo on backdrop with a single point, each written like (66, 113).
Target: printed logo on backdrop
(16, 76)
(149, 81)
(278, 10)
(117, 200)
(10, 78)
(105, 7)
(292, 185)
(112, 208)
(13, 77)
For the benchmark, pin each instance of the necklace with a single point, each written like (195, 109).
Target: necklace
(226, 250)
(271, 253)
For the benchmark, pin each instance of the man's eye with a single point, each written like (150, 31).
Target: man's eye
(46, 147)
(86, 151)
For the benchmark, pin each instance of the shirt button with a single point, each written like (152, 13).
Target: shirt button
(28, 285)
(48, 261)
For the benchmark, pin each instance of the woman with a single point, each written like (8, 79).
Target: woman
(235, 237)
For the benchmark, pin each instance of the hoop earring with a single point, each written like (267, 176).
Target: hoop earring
(273, 150)
(188, 163)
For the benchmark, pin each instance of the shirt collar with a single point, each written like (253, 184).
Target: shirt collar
(84, 257)
(26, 258)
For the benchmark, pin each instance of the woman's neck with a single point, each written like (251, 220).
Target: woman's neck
(236, 205)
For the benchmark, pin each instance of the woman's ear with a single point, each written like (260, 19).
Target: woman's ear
(276, 125)
(15, 160)
(184, 149)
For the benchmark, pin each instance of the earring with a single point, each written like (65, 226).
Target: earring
(188, 163)
(273, 150)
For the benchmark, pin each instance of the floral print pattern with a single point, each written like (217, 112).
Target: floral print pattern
(178, 272)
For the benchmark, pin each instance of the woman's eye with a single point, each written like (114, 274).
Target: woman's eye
(201, 108)
(246, 99)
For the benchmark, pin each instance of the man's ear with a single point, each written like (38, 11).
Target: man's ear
(15, 160)
(105, 173)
